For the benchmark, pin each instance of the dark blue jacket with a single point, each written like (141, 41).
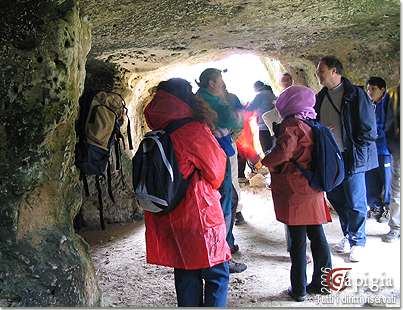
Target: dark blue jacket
(383, 112)
(262, 103)
(358, 128)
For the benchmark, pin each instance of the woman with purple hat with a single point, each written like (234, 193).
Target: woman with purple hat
(296, 204)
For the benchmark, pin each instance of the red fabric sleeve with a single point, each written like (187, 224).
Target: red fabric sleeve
(204, 152)
(286, 144)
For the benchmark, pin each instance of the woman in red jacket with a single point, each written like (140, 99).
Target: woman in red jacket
(191, 238)
(296, 204)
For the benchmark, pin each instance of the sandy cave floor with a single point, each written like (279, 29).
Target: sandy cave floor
(126, 280)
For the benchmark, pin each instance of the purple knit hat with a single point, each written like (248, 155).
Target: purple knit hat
(296, 100)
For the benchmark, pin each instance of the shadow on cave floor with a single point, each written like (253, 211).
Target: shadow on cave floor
(127, 281)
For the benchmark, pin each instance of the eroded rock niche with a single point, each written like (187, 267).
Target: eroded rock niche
(42, 66)
(137, 89)
(103, 76)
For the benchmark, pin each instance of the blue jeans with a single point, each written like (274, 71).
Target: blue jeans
(226, 201)
(379, 183)
(234, 203)
(349, 199)
(190, 291)
(320, 254)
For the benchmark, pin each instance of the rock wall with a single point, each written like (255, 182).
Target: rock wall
(42, 67)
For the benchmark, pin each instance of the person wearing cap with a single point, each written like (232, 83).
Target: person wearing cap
(296, 203)
(212, 89)
(263, 102)
(192, 237)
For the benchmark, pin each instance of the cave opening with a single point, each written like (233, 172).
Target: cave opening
(119, 253)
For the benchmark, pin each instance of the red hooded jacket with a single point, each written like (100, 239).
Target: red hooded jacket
(295, 201)
(192, 236)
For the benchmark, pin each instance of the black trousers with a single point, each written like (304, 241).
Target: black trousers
(266, 140)
(241, 166)
(320, 254)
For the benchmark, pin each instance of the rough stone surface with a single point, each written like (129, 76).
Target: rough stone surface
(42, 67)
(143, 35)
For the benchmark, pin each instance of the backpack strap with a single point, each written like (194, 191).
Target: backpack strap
(172, 126)
(101, 207)
(83, 177)
(122, 177)
(305, 172)
(109, 181)
(129, 134)
(117, 154)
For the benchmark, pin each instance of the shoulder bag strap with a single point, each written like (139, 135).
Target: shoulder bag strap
(332, 103)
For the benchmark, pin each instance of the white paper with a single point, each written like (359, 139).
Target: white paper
(271, 117)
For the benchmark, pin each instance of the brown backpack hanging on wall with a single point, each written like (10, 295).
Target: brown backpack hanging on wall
(98, 131)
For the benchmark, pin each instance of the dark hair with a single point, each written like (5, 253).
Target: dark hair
(182, 89)
(202, 112)
(376, 81)
(288, 75)
(259, 86)
(209, 74)
(179, 88)
(333, 62)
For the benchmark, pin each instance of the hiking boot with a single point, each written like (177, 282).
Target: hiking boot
(391, 236)
(235, 267)
(296, 297)
(356, 254)
(239, 219)
(234, 249)
(343, 246)
(383, 216)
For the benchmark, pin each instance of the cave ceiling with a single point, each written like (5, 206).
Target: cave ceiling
(146, 34)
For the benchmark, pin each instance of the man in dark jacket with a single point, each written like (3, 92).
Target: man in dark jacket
(348, 112)
(379, 180)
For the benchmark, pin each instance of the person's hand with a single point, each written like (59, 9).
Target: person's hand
(258, 165)
(332, 128)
